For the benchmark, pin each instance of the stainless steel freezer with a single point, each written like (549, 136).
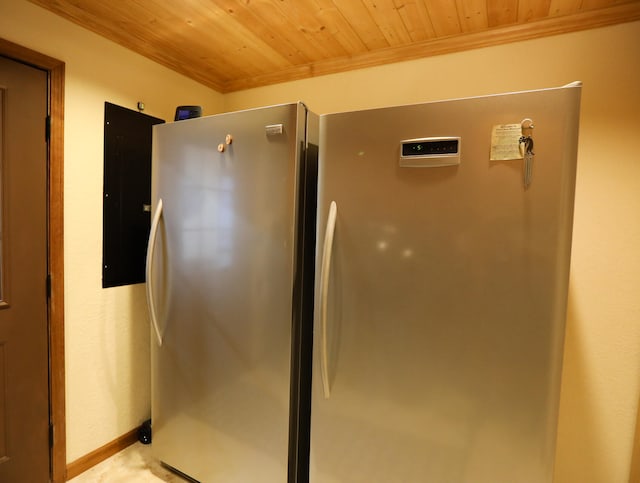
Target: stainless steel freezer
(226, 262)
(441, 289)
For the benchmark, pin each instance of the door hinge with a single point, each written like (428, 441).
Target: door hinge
(47, 128)
(48, 285)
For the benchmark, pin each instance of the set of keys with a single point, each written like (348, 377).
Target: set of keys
(527, 140)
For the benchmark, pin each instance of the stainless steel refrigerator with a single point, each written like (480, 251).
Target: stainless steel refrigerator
(230, 254)
(443, 248)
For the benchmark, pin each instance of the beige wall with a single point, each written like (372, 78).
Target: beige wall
(106, 330)
(601, 379)
(107, 337)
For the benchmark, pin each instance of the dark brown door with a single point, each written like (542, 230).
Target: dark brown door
(24, 391)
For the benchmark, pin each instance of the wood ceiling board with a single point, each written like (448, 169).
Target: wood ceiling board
(502, 12)
(389, 21)
(362, 23)
(260, 21)
(202, 28)
(593, 4)
(231, 42)
(416, 18)
(446, 17)
(529, 10)
(564, 7)
(476, 40)
(236, 44)
(303, 15)
(472, 15)
(338, 26)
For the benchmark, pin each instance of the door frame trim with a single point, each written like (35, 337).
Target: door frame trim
(55, 245)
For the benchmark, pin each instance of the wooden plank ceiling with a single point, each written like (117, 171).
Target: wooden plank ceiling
(237, 44)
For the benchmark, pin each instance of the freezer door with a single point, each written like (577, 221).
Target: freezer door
(223, 288)
(445, 294)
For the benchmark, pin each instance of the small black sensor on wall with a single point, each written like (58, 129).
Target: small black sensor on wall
(187, 112)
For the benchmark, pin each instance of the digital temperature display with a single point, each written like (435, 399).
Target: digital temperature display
(430, 152)
(430, 147)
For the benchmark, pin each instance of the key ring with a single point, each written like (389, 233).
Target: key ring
(527, 139)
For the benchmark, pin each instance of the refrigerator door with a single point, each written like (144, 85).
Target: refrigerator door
(224, 292)
(444, 289)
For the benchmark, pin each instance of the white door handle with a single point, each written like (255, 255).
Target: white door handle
(325, 270)
(149, 270)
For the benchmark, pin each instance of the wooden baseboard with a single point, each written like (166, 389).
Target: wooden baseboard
(90, 460)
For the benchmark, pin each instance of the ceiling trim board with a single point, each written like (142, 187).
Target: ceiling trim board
(458, 43)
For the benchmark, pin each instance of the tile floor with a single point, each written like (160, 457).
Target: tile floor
(131, 465)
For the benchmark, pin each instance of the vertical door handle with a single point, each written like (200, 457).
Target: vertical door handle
(149, 270)
(325, 270)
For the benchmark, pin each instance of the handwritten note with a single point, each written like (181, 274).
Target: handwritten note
(505, 142)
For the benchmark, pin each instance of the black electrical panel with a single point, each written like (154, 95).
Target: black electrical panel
(126, 195)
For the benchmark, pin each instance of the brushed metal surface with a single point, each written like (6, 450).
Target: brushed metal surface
(447, 296)
(225, 279)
